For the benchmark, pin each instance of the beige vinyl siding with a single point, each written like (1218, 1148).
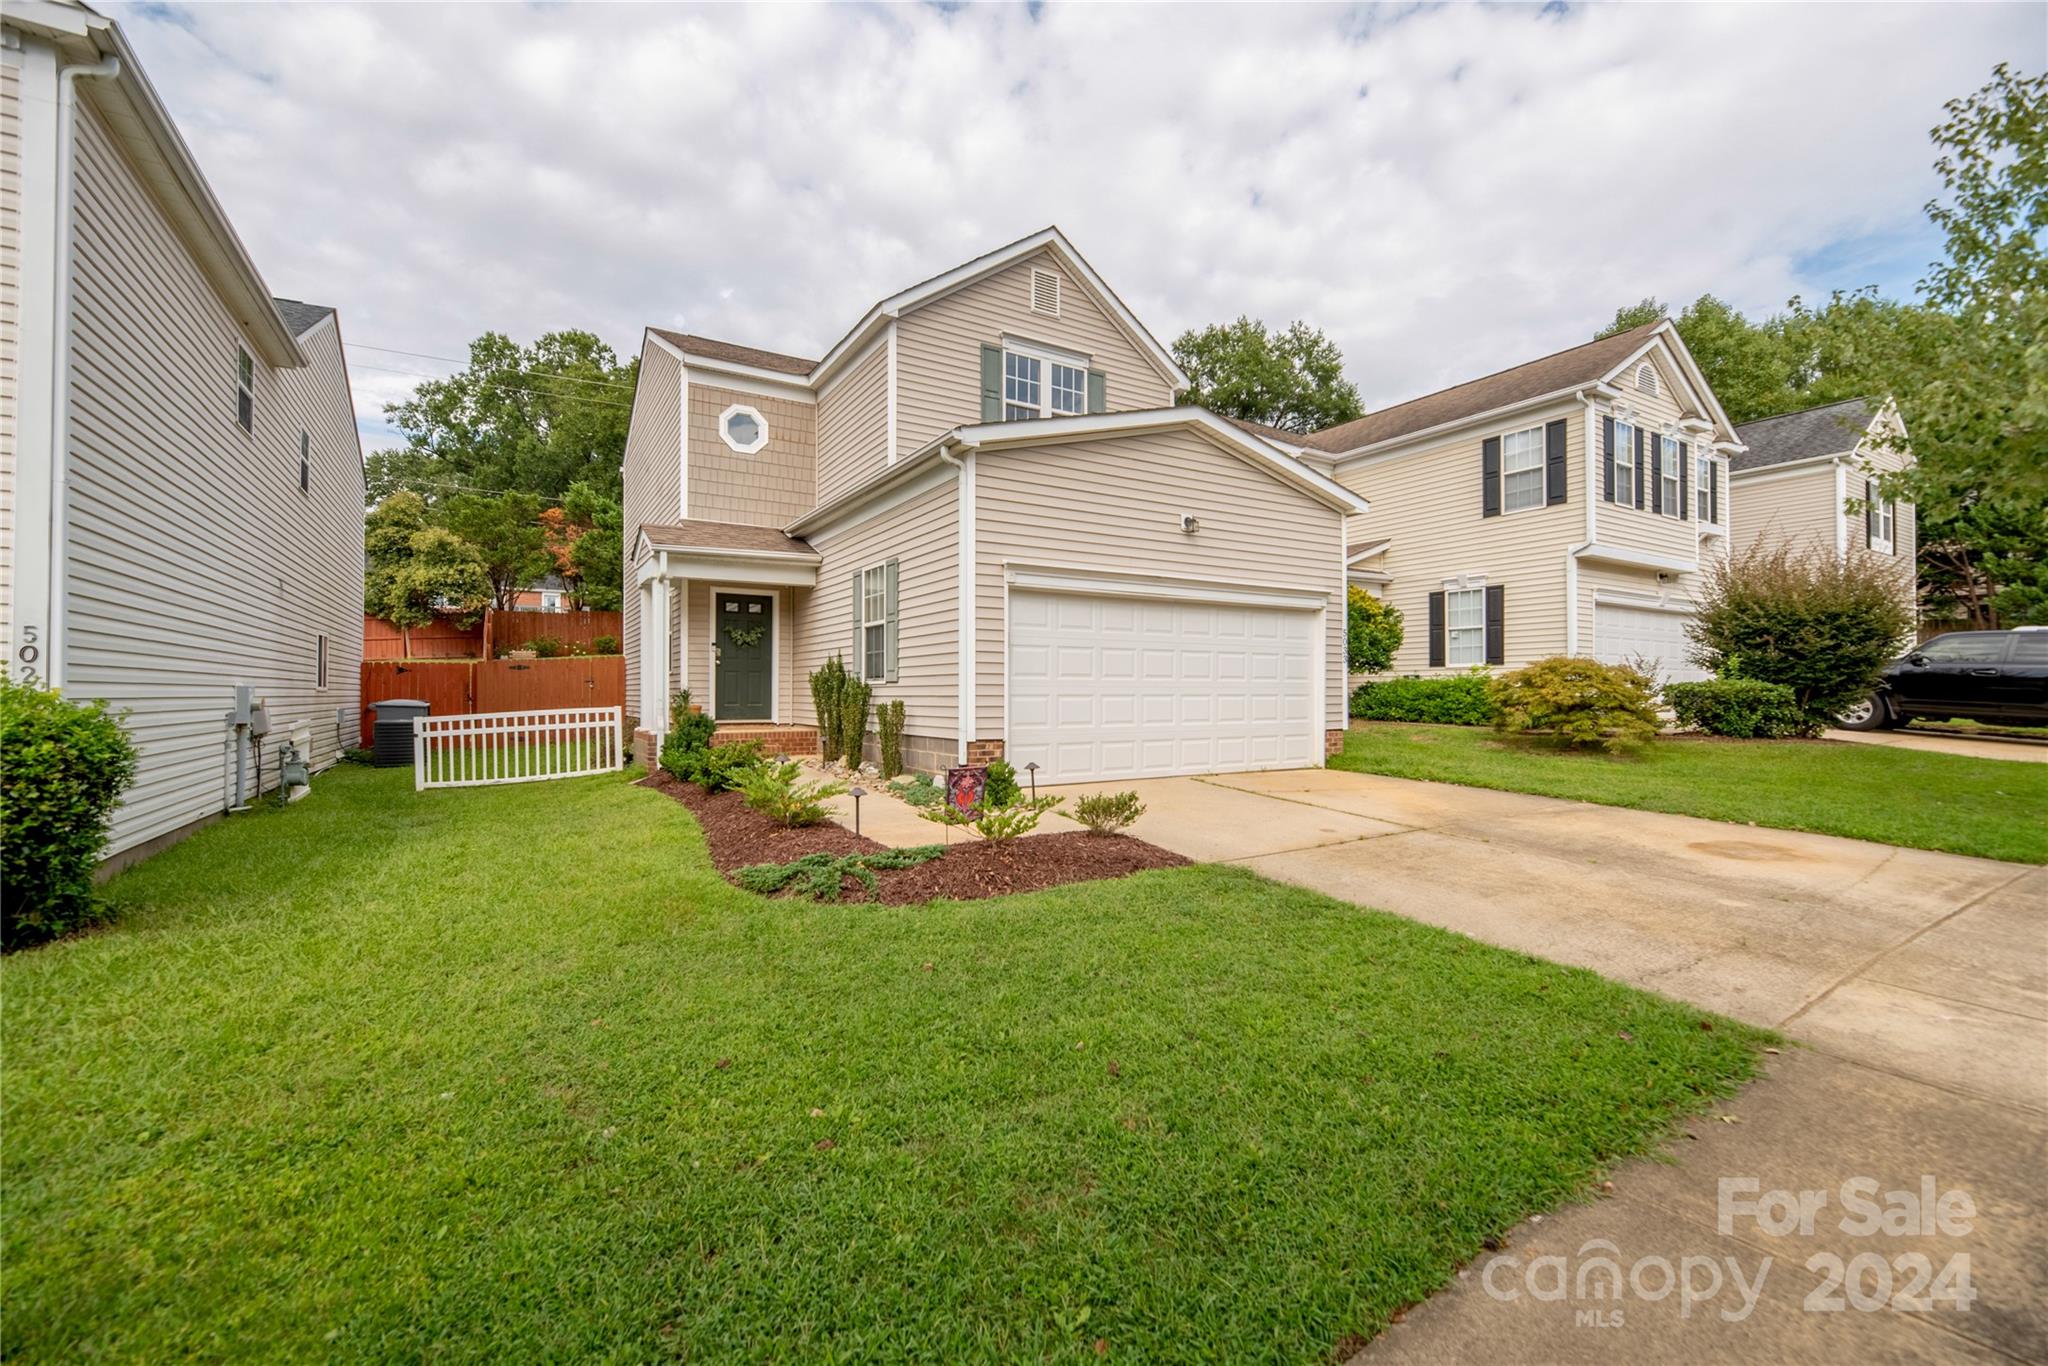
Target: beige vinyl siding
(195, 561)
(1114, 505)
(922, 535)
(1877, 454)
(1619, 524)
(651, 474)
(1428, 500)
(10, 322)
(771, 487)
(938, 350)
(1790, 507)
(853, 423)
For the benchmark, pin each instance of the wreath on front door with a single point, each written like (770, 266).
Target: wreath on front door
(746, 637)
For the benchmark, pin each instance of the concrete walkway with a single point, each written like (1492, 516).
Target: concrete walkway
(2018, 749)
(1916, 985)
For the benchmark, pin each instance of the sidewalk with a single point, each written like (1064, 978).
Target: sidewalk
(2018, 750)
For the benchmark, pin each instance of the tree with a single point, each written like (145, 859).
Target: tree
(584, 538)
(534, 419)
(1372, 633)
(412, 566)
(1293, 381)
(1631, 316)
(505, 532)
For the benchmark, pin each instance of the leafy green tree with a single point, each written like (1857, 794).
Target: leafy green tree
(597, 556)
(1293, 381)
(412, 566)
(505, 531)
(1373, 633)
(535, 419)
(1631, 316)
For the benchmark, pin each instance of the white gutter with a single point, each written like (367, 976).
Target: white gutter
(60, 370)
(966, 554)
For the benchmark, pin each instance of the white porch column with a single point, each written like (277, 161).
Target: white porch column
(663, 652)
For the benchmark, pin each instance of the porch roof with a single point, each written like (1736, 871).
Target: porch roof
(733, 552)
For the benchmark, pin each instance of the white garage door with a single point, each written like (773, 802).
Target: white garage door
(1630, 635)
(1124, 688)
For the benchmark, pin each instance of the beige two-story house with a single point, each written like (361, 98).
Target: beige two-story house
(1564, 506)
(181, 485)
(1811, 478)
(982, 498)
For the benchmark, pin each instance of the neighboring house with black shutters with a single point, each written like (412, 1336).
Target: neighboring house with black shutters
(1811, 478)
(1504, 534)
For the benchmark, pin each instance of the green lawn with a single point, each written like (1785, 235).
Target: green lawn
(1988, 807)
(466, 1073)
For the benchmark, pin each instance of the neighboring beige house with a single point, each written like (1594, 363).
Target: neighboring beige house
(1811, 478)
(984, 501)
(1564, 506)
(181, 486)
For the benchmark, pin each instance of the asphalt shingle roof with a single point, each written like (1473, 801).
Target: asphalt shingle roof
(699, 535)
(714, 349)
(301, 318)
(1829, 429)
(1578, 365)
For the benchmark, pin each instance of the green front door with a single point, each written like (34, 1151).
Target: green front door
(744, 642)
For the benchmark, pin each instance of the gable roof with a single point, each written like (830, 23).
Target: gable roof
(302, 318)
(1830, 429)
(1586, 364)
(732, 538)
(733, 353)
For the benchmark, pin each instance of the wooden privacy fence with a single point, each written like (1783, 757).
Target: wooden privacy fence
(460, 687)
(441, 638)
(517, 630)
(484, 750)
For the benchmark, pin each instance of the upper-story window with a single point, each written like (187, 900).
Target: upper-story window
(1624, 461)
(1041, 386)
(1703, 486)
(1521, 469)
(1885, 523)
(743, 428)
(305, 462)
(1673, 503)
(245, 390)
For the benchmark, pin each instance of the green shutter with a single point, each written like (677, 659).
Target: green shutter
(1098, 392)
(991, 383)
(855, 659)
(889, 623)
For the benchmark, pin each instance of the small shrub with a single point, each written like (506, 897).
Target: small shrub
(546, 647)
(828, 700)
(1744, 708)
(1822, 624)
(822, 877)
(1001, 788)
(1579, 702)
(1107, 813)
(997, 824)
(773, 790)
(889, 732)
(919, 789)
(1372, 633)
(63, 766)
(604, 645)
(853, 719)
(689, 736)
(1460, 700)
(719, 768)
(358, 754)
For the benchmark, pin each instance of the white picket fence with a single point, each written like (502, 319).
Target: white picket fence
(487, 748)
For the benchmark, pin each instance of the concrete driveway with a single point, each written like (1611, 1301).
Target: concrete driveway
(1916, 983)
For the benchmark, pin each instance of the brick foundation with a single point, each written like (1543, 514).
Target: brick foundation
(984, 751)
(791, 742)
(1333, 743)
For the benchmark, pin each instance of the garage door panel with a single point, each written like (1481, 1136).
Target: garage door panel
(1110, 688)
(1623, 634)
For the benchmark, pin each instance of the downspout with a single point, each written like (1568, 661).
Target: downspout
(964, 536)
(60, 369)
(1571, 554)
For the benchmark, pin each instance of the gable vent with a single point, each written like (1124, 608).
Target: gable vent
(1646, 378)
(1045, 292)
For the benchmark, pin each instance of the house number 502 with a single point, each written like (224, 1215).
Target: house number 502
(28, 653)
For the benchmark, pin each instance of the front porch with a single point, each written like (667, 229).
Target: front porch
(718, 607)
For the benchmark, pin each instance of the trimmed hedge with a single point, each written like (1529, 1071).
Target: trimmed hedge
(1460, 700)
(1744, 708)
(63, 766)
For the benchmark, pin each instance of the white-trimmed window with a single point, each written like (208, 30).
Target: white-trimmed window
(1465, 626)
(320, 665)
(1674, 505)
(1069, 389)
(1521, 469)
(1624, 461)
(743, 428)
(245, 390)
(874, 617)
(1023, 387)
(305, 462)
(1043, 384)
(1703, 487)
(1886, 524)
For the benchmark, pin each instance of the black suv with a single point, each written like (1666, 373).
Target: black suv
(1999, 676)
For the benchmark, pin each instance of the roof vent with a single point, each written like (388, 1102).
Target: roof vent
(1045, 292)
(1646, 378)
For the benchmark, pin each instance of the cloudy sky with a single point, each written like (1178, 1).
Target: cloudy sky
(1445, 190)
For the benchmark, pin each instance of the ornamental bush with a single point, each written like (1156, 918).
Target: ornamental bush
(1001, 788)
(853, 719)
(773, 790)
(604, 645)
(828, 703)
(1372, 633)
(1822, 624)
(1460, 700)
(889, 736)
(719, 768)
(822, 877)
(1579, 702)
(1107, 813)
(63, 766)
(1743, 708)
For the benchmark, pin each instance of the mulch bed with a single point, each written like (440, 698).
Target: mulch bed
(970, 870)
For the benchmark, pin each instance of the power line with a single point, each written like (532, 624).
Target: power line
(457, 360)
(502, 387)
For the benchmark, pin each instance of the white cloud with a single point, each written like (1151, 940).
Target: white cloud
(1446, 191)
